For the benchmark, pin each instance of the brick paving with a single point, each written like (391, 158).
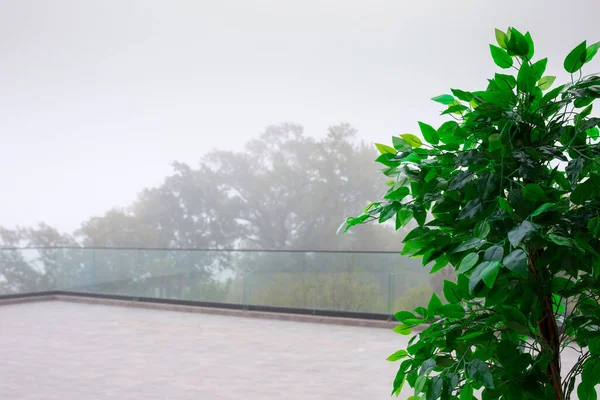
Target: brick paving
(62, 350)
(73, 351)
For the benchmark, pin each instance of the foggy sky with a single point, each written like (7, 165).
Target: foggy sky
(97, 97)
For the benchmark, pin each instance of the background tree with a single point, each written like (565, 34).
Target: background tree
(284, 191)
(44, 268)
(512, 186)
(280, 189)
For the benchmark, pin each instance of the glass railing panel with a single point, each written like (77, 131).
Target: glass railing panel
(359, 282)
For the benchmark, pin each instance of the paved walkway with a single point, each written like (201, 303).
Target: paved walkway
(69, 351)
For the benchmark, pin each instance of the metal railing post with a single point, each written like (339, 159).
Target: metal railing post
(316, 279)
(245, 290)
(93, 271)
(390, 295)
(137, 274)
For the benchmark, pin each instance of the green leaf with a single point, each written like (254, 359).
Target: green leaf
(531, 49)
(534, 193)
(445, 99)
(476, 276)
(494, 253)
(414, 322)
(542, 209)
(434, 304)
(399, 379)
(573, 169)
(399, 355)
(501, 58)
(538, 68)
(502, 40)
(591, 51)
(560, 284)
(401, 144)
(427, 366)
(486, 184)
(562, 181)
(490, 272)
(517, 44)
(590, 375)
(594, 133)
(452, 292)
(480, 373)
(594, 347)
(551, 95)
(412, 140)
(470, 210)
(583, 102)
(417, 189)
(388, 211)
(513, 314)
(416, 233)
(412, 158)
(494, 142)
(398, 194)
(429, 133)
(387, 159)
(594, 226)
(462, 95)
(403, 217)
(468, 262)
(453, 311)
(403, 329)
(586, 392)
(546, 82)
(505, 82)
(402, 316)
(559, 240)
(588, 123)
(419, 385)
(440, 263)
(431, 175)
(582, 192)
(516, 261)
(375, 204)
(469, 244)
(419, 213)
(557, 303)
(385, 149)
(482, 229)
(455, 109)
(435, 388)
(526, 79)
(351, 221)
(461, 180)
(504, 205)
(471, 335)
(576, 58)
(466, 392)
(516, 235)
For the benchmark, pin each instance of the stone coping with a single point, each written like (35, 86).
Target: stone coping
(205, 310)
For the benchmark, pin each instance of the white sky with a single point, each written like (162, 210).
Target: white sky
(99, 96)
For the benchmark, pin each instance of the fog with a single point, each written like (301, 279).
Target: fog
(99, 97)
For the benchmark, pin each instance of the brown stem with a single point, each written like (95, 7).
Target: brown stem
(549, 332)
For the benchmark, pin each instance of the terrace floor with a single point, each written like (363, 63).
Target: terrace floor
(64, 350)
(75, 351)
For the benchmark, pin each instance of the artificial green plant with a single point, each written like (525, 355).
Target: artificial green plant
(507, 192)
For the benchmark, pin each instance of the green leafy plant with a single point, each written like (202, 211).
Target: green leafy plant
(507, 192)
